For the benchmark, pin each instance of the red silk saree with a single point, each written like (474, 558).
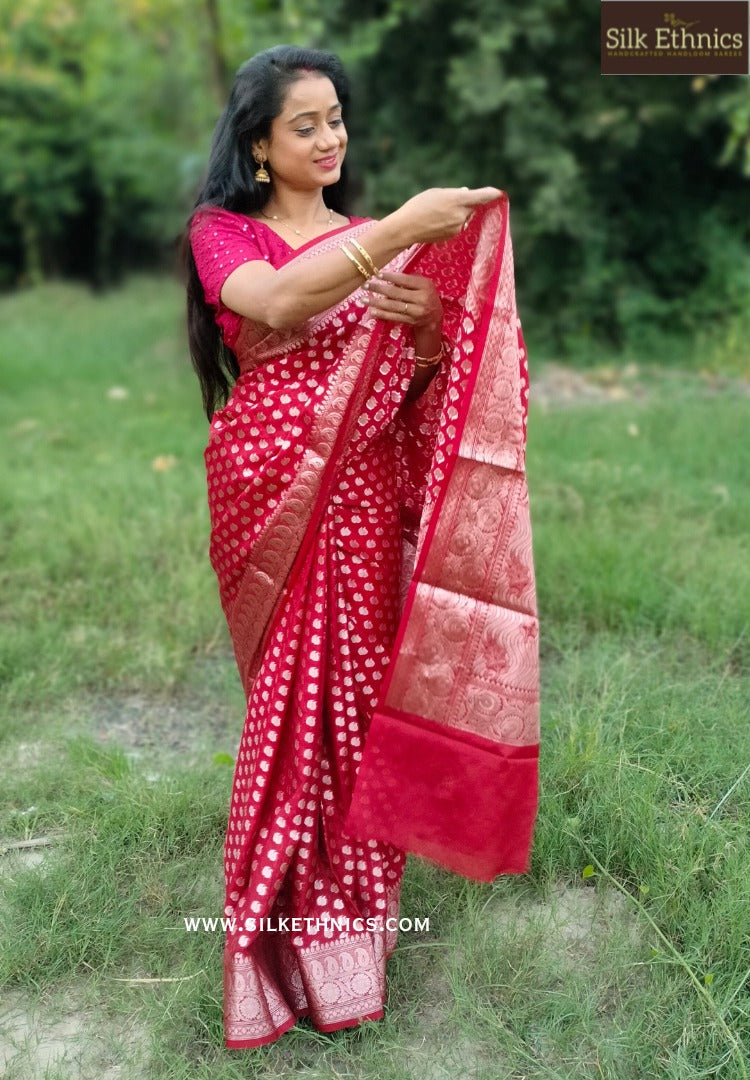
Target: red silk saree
(375, 568)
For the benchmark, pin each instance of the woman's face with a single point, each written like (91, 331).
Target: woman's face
(308, 139)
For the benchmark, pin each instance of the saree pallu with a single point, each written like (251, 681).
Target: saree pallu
(375, 568)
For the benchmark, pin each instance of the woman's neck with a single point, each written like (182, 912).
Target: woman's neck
(301, 208)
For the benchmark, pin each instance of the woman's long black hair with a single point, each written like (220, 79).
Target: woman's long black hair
(256, 99)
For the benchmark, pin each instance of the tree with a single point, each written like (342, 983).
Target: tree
(607, 176)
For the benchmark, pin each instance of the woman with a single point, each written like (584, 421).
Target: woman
(369, 531)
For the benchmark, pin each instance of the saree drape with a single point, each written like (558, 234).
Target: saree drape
(375, 569)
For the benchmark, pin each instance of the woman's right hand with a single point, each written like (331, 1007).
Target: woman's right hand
(439, 213)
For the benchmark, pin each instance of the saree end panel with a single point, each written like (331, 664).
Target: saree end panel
(450, 767)
(466, 803)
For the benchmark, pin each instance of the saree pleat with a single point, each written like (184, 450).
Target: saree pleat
(374, 565)
(316, 870)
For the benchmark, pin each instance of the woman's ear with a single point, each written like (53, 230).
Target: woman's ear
(260, 150)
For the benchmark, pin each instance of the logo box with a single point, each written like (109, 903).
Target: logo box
(697, 37)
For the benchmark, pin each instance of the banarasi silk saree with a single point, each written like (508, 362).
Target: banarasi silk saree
(375, 567)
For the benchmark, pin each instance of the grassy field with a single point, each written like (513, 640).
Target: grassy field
(624, 954)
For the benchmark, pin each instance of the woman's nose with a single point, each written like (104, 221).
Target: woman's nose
(329, 140)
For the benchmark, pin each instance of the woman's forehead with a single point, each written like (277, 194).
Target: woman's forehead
(311, 92)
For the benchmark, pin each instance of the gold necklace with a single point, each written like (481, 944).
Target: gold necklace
(283, 221)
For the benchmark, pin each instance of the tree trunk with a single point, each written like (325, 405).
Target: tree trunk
(219, 65)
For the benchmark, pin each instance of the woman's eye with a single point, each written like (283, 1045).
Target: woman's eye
(337, 122)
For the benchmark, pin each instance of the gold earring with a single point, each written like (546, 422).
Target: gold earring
(261, 173)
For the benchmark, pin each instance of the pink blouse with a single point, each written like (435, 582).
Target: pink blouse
(223, 240)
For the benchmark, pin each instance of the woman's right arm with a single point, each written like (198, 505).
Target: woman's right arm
(304, 287)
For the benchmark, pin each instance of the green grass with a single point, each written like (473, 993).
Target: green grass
(640, 968)
(105, 575)
(646, 532)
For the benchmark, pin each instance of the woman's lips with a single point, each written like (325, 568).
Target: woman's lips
(329, 162)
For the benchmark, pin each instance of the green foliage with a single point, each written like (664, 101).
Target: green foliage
(103, 117)
(630, 196)
(42, 140)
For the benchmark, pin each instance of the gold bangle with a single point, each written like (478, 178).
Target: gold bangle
(365, 255)
(429, 361)
(355, 261)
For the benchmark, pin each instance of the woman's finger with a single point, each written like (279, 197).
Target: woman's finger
(396, 296)
(390, 314)
(407, 303)
(479, 196)
(394, 315)
(407, 281)
(398, 293)
(386, 288)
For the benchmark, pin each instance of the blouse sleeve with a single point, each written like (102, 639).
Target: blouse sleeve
(221, 241)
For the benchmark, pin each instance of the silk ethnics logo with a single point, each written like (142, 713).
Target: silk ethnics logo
(697, 37)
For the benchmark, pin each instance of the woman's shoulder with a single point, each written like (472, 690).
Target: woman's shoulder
(208, 214)
(220, 240)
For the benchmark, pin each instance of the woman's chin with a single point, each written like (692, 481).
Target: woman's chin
(331, 176)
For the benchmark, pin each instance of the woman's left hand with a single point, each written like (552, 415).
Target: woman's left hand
(404, 298)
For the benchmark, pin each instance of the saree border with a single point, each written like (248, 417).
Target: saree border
(432, 525)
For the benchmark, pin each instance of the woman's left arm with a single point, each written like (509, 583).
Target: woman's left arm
(414, 300)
